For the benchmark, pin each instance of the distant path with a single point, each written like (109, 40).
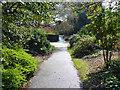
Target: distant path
(58, 71)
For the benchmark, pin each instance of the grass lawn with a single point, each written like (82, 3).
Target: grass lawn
(82, 68)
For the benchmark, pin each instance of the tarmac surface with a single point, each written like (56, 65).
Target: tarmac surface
(58, 71)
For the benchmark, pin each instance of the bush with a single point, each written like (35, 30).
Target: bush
(105, 78)
(96, 54)
(111, 76)
(83, 31)
(84, 46)
(17, 67)
(31, 38)
(51, 32)
(38, 42)
(73, 39)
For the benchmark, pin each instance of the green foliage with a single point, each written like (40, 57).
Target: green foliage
(52, 47)
(38, 41)
(64, 28)
(25, 13)
(73, 24)
(33, 39)
(0, 49)
(81, 22)
(83, 46)
(111, 76)
(73, 39)
(17, 67)
(84, 31)
(12, 78)
(96, 54)
(104, 27)
(105, 78)
(18, 17)
(17, 20)
(51, 32)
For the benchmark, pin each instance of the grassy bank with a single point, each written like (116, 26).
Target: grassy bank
(81, 66)
(93, 74)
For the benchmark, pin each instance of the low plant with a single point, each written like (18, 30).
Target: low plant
(105, 78)
(73, 39)
(51, 32)
(17, 67)
(84, 31)
(96, 54)
(112, 75)
(38, 42)
(84, 46)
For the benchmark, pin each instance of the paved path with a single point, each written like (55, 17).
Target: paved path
(58, 71)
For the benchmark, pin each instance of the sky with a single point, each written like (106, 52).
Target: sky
(106, 3)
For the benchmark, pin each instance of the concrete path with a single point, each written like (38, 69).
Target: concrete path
(58, 71)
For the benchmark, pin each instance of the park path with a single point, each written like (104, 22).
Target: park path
(58, 71)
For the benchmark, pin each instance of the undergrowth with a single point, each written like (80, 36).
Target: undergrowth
(17, 67)
(105, 78)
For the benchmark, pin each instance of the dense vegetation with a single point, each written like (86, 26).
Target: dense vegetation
(73, 24)
(37, 42)
(89, 27)
(101, 34)
(22, 35)
(84, 46)
(105, 78)
(17, 67)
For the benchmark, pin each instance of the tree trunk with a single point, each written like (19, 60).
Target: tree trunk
(107, 59)
(110, 57)
(104, 56)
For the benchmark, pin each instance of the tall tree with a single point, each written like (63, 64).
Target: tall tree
(104, 27)
(17, 17)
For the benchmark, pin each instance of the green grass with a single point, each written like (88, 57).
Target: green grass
(82, 66)
(70, 51)
(50, 32)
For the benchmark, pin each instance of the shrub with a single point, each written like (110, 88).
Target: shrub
(17, 67)
(73, 39)
(111, 76)
(83, 31)
(84, 46)
(105, 78)
(96, 54)
(31, 38)
(38, 42)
